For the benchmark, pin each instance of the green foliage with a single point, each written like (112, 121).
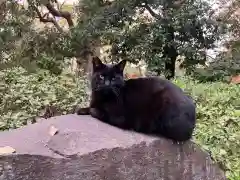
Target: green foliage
(224, 66)
(120, 24)
(26, 42)
(23, 95)
(218, 116)
(211, 74)
(51, 64)
(14, 24)
(138, 38)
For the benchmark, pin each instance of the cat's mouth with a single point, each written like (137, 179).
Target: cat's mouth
(105, 89)
(108, 91)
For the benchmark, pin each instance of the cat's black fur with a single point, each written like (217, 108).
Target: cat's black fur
(149, 105)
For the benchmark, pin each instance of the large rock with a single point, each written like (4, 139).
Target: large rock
(87, 149)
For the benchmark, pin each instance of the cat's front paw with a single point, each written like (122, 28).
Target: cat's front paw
(94, 112)
(83, 111)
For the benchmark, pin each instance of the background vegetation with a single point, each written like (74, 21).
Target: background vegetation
(45, 48)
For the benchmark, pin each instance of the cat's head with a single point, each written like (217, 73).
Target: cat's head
(107, 76)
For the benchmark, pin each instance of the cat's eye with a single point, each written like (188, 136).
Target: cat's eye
(101, 76)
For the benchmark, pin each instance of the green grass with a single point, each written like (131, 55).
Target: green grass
(23, 95)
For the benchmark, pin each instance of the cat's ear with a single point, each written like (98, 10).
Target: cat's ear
(121, 65)
(97, 63)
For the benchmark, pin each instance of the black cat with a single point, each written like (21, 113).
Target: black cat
(149, 105)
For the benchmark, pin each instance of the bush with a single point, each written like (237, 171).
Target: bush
(23, 95)
(211, 75)
(218, 126)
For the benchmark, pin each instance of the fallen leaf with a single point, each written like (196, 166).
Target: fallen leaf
(53, 131)
(6, 150)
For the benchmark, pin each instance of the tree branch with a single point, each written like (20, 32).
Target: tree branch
(57, 13)
(3, 11)
(176, 4)
(47, 19)
(153, 14)
(2, 1)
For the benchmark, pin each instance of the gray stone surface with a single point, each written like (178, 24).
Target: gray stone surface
(85, 148)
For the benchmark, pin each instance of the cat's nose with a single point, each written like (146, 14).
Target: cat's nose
(107, 82)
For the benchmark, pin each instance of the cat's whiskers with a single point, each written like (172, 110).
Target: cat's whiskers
(116, 91)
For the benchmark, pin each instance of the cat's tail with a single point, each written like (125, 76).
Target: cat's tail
(178, 127)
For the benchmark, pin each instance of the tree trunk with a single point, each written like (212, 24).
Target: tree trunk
(171, 56)
(170, 53)
(84, 61)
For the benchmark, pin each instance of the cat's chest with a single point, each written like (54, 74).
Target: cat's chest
(113, 108)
